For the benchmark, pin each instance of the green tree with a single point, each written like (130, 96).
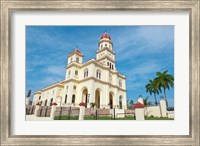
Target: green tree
(152, 87)
(131, 103)
(164, 81)
(146, 102)
(92, 104)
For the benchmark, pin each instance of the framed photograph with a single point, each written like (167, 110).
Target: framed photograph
(100, 72)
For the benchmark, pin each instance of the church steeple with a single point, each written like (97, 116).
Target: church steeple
(105, 41)
(105, 54)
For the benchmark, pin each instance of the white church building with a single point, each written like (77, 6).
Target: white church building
(95, 81)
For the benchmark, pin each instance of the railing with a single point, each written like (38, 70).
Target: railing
(95, 115)
(72, 113)
(66, 113)
(44, 111)
(30, 110)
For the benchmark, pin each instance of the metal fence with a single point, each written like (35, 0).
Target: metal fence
(98, 114)
(66, 113)
(30, 110)
(72, 113)
(107, 114)
(44, 111)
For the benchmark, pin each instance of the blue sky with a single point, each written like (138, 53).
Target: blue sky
(141, 51)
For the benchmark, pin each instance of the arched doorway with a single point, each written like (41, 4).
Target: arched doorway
(120, 102)
(85, 96)
(97, 98)
(111, 100)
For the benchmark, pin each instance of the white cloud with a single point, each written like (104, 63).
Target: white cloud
(144, 39)
(49, 80)
(56, 70)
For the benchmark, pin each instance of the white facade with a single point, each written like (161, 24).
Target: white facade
(95, 81)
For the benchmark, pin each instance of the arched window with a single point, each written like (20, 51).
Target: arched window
(71, 60)
(51, 101)
(112, 66)
(120, 102)
(74, 87)
(120, 83)
(98, 74)
(45, 104)
(76, 72)
(39, 97)
(73, 98)
(77, 59)
(69, 73)
(66, 98)
(107, 63)
(85, 73)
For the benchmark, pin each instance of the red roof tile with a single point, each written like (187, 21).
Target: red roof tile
(139, 105)
(77, 50)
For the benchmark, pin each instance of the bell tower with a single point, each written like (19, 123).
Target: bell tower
(105, 54)
(75, 56)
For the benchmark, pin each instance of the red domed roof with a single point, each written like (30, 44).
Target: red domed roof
(139, 105)
(105, 35)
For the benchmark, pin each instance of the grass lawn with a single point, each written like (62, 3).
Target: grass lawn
(99, 118)
(157, 118)
(66, 118)
(107, 118)
(126, 118)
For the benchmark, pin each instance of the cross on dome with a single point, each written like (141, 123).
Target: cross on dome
(105, 35)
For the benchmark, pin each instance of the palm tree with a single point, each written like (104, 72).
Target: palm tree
(146, 102)
(152, 87)
(131, 103)
(164, 80)
(92, 104)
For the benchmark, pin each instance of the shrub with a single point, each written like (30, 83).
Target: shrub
(54, 103)
(92, 104)
(82, 104)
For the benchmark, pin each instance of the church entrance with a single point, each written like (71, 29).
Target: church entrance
(85, 97)
(97, 98)
(111, 100)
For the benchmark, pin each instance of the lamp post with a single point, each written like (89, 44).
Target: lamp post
(87, 101)
(88, 95)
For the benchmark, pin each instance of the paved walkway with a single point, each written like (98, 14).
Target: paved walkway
(34, 118)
